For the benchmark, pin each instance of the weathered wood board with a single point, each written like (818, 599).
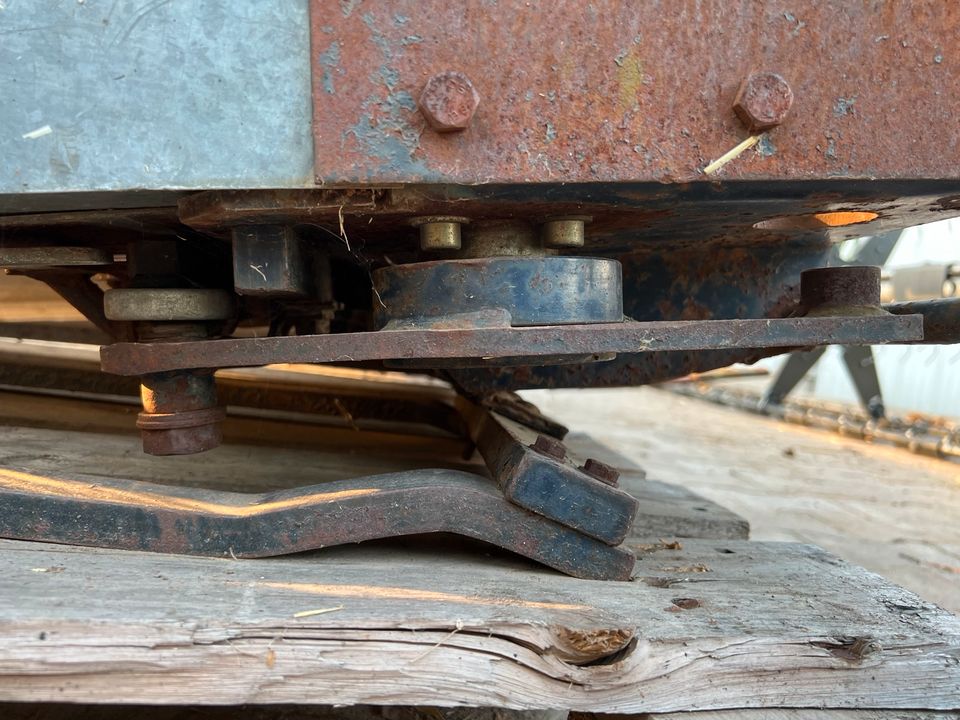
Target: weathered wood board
(714, 624)
(71, 711)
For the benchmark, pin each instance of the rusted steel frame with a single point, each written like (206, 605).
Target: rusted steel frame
(485, 345)
(941, 319)
(134, 515)
(550, 483)
(626, 215)
(620, 91)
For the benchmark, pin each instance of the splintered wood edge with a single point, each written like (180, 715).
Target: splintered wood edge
(452, 631)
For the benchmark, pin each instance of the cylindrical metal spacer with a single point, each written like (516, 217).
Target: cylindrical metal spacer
(439, 233)
(565, 232)
(846, 286)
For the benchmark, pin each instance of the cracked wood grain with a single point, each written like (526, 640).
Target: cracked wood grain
(774, 625)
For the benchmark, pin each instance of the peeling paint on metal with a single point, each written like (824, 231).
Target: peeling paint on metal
(765, 146)
(329, 59)
(384, 130)
(844, 106)
(379, 39)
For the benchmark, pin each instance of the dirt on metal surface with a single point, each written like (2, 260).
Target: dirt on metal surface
(609, 91)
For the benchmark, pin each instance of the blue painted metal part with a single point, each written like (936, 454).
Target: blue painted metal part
(551, 487)
(123, 95)
(677, 284)
(534, 290)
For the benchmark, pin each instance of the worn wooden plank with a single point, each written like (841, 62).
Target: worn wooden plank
(890, 511)
(674, 511)
(69, 711)
(665, 510)
(783, 714)
(705, 626)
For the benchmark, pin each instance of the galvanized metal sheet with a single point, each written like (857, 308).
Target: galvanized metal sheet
(574, 91)
(129, 94)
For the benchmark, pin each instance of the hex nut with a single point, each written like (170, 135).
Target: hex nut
(448, 101)
(763, 101)
(551, 447)
(601, 471)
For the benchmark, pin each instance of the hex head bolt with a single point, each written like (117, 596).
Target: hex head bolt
(180, 415)
(551, 447)
(763, 101)
(449, 101)
(601, 471)
(835, 290)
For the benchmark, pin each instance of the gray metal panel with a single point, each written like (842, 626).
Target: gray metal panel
(154, 94)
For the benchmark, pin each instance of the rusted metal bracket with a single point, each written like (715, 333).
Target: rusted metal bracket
(485, 345)
(134, 515)
(534, 470)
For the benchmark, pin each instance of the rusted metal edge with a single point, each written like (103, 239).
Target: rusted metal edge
(486, 345)
(135, 515)
(941, 318)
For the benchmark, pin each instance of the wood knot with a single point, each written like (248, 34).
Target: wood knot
(589, 646)
(851, 650)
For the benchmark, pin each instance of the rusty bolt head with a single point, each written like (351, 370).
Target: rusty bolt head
(763, 101)
(601, 471)
(449, 101)
(551, 447)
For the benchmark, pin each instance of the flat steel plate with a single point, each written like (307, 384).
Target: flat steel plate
(486, 345)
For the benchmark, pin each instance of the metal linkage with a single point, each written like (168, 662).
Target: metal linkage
(134, 515)
(941, 318)
(485, 345)
(561, 512)
(535, 472)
